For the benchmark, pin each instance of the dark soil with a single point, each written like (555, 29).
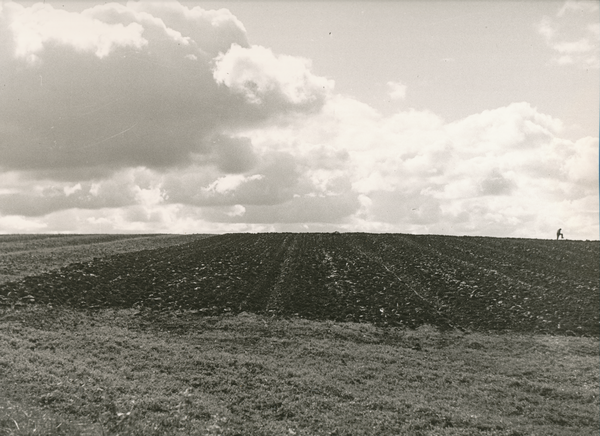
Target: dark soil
(472, 283)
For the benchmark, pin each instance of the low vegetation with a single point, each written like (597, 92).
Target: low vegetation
(288, 334)
(72, 372)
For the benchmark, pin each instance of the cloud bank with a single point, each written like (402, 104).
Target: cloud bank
(156, 117)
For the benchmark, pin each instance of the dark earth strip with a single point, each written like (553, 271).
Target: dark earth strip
(476, 283)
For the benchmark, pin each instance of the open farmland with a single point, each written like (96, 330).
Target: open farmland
(25, 255)
(471, 283)
(165, 342)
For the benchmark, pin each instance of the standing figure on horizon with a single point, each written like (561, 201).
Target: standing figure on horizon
(559, 234)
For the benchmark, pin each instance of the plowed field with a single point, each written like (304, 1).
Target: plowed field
(389, 279)
(26, 255)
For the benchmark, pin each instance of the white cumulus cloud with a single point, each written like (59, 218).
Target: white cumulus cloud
(263, 77)
(154, 117)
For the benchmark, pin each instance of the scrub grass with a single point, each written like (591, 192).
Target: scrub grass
(125, 372)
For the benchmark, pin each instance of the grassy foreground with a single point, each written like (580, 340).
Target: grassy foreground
(67, 372)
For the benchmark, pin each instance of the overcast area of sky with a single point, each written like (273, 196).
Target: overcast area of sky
(446, 117)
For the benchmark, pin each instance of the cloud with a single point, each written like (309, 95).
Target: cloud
(581, 46)
(546, 28)
(299, 210)
(234, 155)
(19, 224)
(496, 183)
(70, 190)
(119, 86)
(35, 198)
(263, 78)
(156, 117)
(577, 6)
(573, 34)
(397, 90)
(236, 210)
(274, 180)
(490, 172)
(41, 25)
(580, 162)
(229, 183)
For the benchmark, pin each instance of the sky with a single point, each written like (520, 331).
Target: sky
(423, 117)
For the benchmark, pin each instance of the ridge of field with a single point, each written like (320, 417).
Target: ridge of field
(477, 283)
(26, 255)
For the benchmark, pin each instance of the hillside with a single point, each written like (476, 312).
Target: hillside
(25, 255)
(473, 283)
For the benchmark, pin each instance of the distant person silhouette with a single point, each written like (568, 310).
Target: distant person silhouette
(559, 234)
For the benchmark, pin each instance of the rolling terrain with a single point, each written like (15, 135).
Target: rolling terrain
(25, 255)
(472, 283)
(298, 334)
